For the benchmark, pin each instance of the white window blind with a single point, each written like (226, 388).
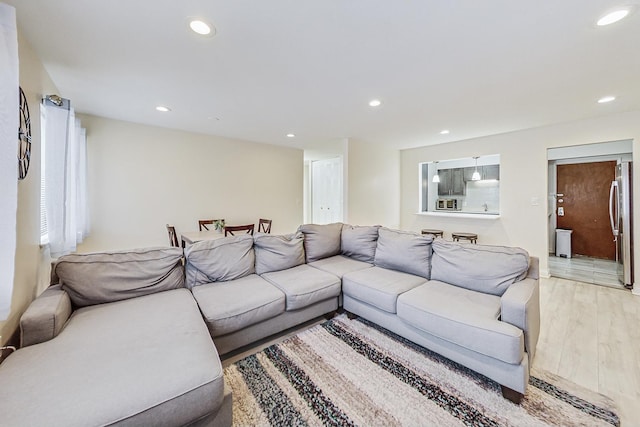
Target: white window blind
(44, 236)
(64, 220)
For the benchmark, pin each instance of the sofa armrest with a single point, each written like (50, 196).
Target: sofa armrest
(534, 268)
(520, 306)
(45, 317)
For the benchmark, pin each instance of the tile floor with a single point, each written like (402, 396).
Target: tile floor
(585, 269)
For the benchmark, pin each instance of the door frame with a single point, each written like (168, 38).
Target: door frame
(553, 189)
(339, 195)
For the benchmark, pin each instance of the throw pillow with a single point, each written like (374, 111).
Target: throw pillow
(220, 260)
(98, 278)
(482, 268)
(404, 251)
(359, 242)
(275, 253)
(321, 241)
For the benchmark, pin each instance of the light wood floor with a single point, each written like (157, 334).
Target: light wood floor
(590, 335)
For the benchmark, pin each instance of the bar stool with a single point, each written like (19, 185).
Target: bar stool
(435, 233)
(472, 237)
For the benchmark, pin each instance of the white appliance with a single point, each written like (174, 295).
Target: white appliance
(620, 215)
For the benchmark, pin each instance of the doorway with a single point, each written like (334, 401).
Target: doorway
(583, 206)
(326, 191)
(579, 183)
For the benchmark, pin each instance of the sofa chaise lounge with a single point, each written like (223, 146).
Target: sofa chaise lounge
(117, 340)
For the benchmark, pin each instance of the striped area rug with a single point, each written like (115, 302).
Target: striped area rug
(351, 372)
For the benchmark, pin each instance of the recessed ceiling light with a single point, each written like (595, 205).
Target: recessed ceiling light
(375, 103)
(444, 132)
(606, 99)
(163, 108)
(200, 27)
(612, 17)
(291, 135)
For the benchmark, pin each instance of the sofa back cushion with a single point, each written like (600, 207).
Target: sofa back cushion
(220, 260)
(275, 253)
(98, 278)
(359, 242)
(482, 268)
(321, 241)
(404, 251)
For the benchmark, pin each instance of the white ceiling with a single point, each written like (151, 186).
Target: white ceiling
(311, 67)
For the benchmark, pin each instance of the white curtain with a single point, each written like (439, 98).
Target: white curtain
(8, 153)
(64, 142)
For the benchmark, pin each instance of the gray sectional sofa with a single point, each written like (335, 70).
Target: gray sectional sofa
(128, 337)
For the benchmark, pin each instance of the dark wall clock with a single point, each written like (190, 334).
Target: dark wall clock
(24, 137)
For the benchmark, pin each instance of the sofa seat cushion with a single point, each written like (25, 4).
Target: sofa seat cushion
(379, 287)
(143, 361)
(304, 285)
(340, 265)
(463, 317)
(230, 306)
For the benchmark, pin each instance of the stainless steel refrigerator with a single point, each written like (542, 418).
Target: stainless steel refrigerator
(620, 211)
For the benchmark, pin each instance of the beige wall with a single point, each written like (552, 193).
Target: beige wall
(523, 176)
(143, 177)
(35, 82)
(371, 181)
(373, 185)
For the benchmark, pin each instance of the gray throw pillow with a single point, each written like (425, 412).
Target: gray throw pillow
(359, 242)
(321, 241)
(404, 251)
(482, 268)
(275, 253)
(98, 278)
(220, 260)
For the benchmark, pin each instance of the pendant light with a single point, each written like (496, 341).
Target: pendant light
(476, 174)
(436, 177)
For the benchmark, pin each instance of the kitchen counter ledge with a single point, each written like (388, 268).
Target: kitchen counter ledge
(460, 214)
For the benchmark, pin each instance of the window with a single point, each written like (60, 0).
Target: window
(63, 214)
(469, 185)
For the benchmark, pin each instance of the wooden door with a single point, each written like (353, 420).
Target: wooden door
(585, 200)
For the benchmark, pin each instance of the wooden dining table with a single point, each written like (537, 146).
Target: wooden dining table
(191, 237)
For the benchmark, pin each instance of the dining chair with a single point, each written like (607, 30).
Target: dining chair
(264, 226)
(203, 223)
(173, 236)
(230, 229)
